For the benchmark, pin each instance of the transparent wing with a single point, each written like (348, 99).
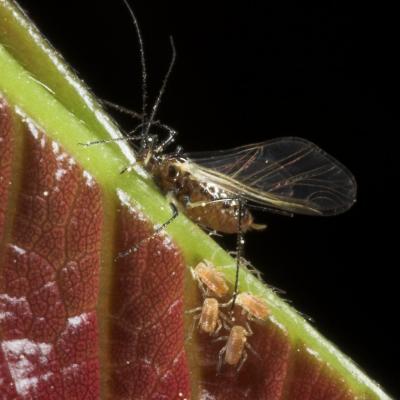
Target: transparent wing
(287, 173)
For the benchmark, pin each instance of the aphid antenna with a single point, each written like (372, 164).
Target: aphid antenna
(162, 89)
(177, 153)
(142, 62)
(146, 123)
(135, 115)
(123, 110)
(147, 143)
(159, 229)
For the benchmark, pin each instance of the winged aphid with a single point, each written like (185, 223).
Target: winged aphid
(217, 189)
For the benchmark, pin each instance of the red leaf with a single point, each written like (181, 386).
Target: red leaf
(49, 272)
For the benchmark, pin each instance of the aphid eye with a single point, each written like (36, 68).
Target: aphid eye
(172, 171)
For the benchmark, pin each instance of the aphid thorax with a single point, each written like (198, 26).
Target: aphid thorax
(208, 204)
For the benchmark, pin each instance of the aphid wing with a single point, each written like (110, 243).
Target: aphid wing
(288, 173)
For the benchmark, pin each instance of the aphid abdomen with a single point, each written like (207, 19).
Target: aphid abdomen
(255, 307)
(218, 217)
(173, 175)
(210, 211)
(235, 345)
(209, 316)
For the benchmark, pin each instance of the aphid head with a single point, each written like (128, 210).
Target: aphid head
(169, 172)
(146, 151)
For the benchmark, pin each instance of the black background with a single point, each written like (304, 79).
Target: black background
(249, 72)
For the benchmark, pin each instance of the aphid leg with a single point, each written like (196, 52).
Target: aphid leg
(221, 359)
(127, 168)
(231, 319)
(249, 330)
(196, 320)
(209, 231)
(160, 228)
(251, 318)
(242, 361)
(170, 139)
(220, 339)
(226, 322)
(189, 204)
(177, 152)
(138, 116)
(253, 270)
(248, 265)
(239, 248)
(203, 289)
(219, 327)
(122, 109)
(249, 347)
(193, 310)
(106, 141)
(227, 304)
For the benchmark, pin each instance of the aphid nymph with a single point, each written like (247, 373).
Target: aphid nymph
(253, 306)
(234, 352)
(209, 316)
(210, 280)
(209, 319)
